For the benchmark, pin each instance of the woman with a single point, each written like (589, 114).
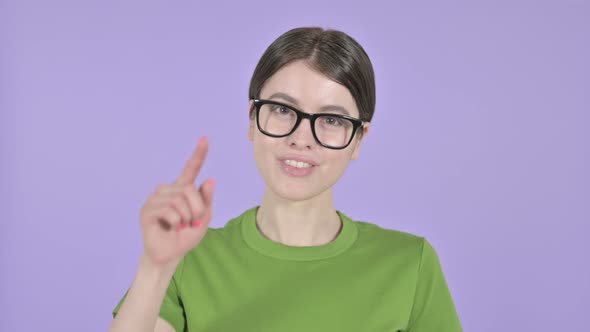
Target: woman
(293, 263)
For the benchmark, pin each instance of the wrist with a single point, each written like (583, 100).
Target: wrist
(155, 272)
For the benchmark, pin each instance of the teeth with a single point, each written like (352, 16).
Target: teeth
(298, 164)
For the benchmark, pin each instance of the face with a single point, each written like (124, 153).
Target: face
(309, 91)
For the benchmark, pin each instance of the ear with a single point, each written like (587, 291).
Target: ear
(357, 147)
(251, 126)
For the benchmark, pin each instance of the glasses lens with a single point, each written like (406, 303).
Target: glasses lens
(333, 131)
(276, 119)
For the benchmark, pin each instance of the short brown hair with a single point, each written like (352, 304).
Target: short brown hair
(332, 53)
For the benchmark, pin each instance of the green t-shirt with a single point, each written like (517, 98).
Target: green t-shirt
(367, 279)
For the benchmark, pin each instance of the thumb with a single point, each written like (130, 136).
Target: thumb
(206, 191)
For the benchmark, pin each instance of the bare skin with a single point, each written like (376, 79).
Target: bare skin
(300, 211)
(174, 220)
(169, 214)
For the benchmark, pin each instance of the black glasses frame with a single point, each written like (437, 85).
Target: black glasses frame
(356, 123)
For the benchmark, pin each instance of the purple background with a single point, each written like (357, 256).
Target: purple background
(479, 143)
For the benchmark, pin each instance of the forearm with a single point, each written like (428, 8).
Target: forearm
(141, 307)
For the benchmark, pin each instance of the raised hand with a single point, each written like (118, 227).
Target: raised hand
(175, 218)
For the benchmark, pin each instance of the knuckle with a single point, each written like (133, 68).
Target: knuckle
(161, 188)
(190, 193)
(188, 190)
(177, 201)
(199, 211)
(172, 216)
(180, 204)
(151, 199)
(150, 203)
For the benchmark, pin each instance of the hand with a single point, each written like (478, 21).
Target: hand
(176, 216)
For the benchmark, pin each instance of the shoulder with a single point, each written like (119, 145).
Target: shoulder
(396, 244)
(410, 250)
(393, 239)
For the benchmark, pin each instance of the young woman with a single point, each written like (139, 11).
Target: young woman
(293, 263)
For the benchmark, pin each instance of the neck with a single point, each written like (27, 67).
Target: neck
(310, 222)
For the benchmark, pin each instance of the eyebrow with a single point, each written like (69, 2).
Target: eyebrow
(325, 108)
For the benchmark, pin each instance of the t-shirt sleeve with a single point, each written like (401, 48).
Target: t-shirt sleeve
(433, 308)
(172, 309)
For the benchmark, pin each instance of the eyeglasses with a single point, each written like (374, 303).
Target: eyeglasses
(333, 131)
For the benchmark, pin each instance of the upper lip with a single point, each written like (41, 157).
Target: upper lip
(298, 158)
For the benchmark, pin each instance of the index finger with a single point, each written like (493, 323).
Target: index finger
(193, 165)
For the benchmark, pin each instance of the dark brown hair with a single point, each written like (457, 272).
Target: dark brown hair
(332, 53)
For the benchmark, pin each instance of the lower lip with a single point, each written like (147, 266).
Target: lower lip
(294, 171)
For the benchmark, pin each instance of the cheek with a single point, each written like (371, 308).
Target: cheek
(263, 145)
(339, 160)
(343, 163)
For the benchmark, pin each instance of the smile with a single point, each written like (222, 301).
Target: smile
(298, 164)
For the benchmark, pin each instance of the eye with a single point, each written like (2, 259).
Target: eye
(332, 121)
(280, 109)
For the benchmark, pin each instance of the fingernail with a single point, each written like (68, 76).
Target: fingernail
(202, 139)
(212, 183)
(179, 227)
(196, 223)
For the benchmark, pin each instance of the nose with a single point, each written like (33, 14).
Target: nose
(302, 137)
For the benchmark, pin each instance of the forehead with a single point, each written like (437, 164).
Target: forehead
(309, 90)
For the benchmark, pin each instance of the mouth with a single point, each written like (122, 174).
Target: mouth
(296, 168)
(297, 160)
(297, 164)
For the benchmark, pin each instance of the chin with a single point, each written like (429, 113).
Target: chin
(296, 193)
(294, 197)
